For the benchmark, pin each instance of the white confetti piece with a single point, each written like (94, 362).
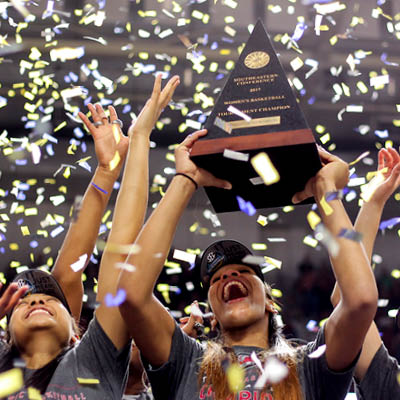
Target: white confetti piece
(184, 256)
(318, 352)
(78, 265)
(239, 113)
(236, 155)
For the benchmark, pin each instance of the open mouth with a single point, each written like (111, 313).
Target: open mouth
(38, 311)
(234, 290)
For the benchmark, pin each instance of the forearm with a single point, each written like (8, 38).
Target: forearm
(81, 236)
(129, 213)
(367, 223)
(350, 265)
(154, 242)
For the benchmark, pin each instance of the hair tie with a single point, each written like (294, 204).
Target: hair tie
(189, 177)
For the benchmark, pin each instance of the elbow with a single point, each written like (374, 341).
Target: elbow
(366, 303)
(135, 294)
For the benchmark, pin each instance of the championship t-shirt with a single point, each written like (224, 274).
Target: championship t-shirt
(95, 357)
(177, 378)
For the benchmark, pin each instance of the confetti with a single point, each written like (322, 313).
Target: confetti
(11, 381)
(274, 371)
(80, 264)
(115, 301)
(239, 113)
(235, 375)
(88, 381)
(318, 352)
(125, 266)
(390, 223)
(99, 188)
(184, 256)
(264, 167)
(236, 155)
(246, 206)
(351, 234)
(262, 220)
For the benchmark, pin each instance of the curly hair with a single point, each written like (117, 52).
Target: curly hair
(217, 353)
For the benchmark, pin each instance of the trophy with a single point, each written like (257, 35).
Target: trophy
(258, 138)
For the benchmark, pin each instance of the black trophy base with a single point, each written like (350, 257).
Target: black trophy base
(295, 164)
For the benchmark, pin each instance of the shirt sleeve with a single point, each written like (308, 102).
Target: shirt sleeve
(98, 358)
(322, 382)
(381, 377)
(184, 356)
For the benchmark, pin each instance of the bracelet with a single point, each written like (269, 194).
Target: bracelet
(189, 177)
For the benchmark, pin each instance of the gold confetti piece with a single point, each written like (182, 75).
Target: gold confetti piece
(372, 174)
(25, 230)
(60, 126)
(313, 219)
(265, 169)
(360, 157)
(325, 206)
(115, 161)
(262, 220)
(395, 274)
(310, 241)
(276, 293)
(272, 263)
(88, 381)
(235, 375)
(362, 87)
(287, 209)
(259, 246)
(34, 394)
(14, 246)
(11, 381)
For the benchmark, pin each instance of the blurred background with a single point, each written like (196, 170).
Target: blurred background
(341, 57)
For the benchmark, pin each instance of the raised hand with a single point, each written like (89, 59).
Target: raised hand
(151, 111)
(111, 145)
(186, 166)
(388, 159)
(11, 297)
(334, 173)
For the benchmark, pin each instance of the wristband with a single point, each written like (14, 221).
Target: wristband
(189, 177)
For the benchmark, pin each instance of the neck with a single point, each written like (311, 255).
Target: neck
(255, 334)
(40, 350)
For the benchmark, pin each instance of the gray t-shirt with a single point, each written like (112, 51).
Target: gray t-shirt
(380, 381)
(177, 378)
(141, 396)
(95, 357)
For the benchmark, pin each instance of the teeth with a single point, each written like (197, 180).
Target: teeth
(40, 310)
(238, 284)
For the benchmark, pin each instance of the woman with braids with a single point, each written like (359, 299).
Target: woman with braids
(181, 369)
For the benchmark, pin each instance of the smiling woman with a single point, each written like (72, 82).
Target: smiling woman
(43, 333)
(236, 365)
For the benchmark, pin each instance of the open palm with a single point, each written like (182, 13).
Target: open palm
(111, 145)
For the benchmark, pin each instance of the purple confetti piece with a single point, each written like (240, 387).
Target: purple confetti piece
(246, 206)
(99, 188)
(350, 234)
(334, 195)
(112, 301)
(390, 223)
